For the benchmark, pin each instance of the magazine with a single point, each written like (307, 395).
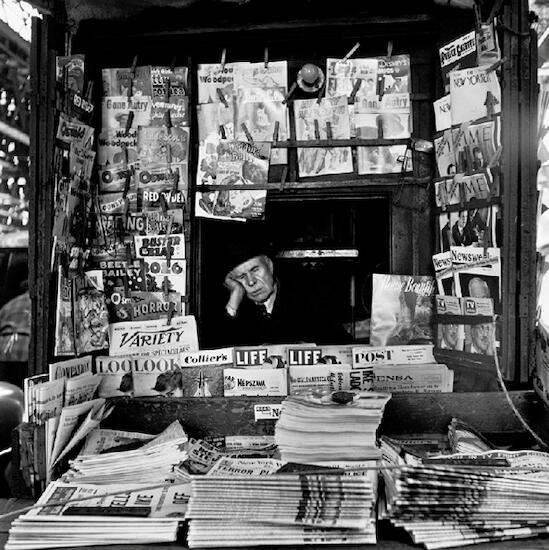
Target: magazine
(100, 440)
(444, 275)
(160, 276)
(460, 53)
(158, 146)
(168, 82)
(174, 112)
(81, 161)
(448, 191)
(341, 76)
(475, 93)
(443, 113)
(480, 339)
(475, 145)
(472, 227)
(450, 336)
(445, 155)
(160, 246)
(69, 70)
(70, 367)
(153, 337)
(384, 159)
(168, 180)
(448, 305)
(271, 79)
(110, 148)
(402, 309)
(393, 74)
(116, 376)
(64, 328)
(318, 161)
(154, 305)
(213, 77)
(488, 51)
(115, 111)
(80, 388)
(70, 130)
(445, 232)
(215, 118)
(118, 81)
(117, 203)
(156, 222)
(159, 375)
(269, 357)
(202, 372)
(386, 117)
(475, 186)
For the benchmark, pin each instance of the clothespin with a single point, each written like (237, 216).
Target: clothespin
(379, 128)
(283, 177)
(490, 103)
(351, 52)
(266, 58)
(247, 132)
(127, 174)
(171, 311)
(175, 175)
(223, 58)
(172, 64)
(166, 288)
(329, 134)
(317, 129)
(168, 234)
(222, 132)
(129, 252)
(354, 91)
(389, 50)
(290, 93)
(132, 77)
(168, 118)
(321, 93)
(169, 149)
(89, 90)
(478, 15)
(275, 131)
(222, 97)
(496, 65)
(129, 122)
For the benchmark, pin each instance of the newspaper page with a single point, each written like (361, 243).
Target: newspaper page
(319, 161)
(460, 53)
(341, 76)
(402, 309)
(227, 466)
(80, 388)
(444, 275)
(153, 337)
(100, 440)
(48, 400)
(70, 367)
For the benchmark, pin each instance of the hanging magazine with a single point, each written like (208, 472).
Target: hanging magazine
(161, 277)
(119, 81)
(393, 74)
(443, 113)
(444, 151)
(385, 117)
(384, 159)
(402, 309)
(213, 77)
(319, 161)
(475, 145)
(460, 53)
(115, 111)
(169, 181)
(341, 76)
(158, 146)
(64, 328)
(215, 119)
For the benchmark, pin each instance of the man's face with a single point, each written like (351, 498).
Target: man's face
(478, 289)
(481, 335)
(450, 334)
(256, 276)
(462, 220)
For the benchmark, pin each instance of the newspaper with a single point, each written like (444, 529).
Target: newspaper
(117, 81)
(429, 378)
(402, 307)
(116, 376)
(341, 76)
(48, 400)
(70, 367)
(459, 53)
(100, 440)
(319, 161)
(443, 113)
(251, 381)
(29, 388)
(475, 93)
(227, 466)
(80, 388)
(308, 377)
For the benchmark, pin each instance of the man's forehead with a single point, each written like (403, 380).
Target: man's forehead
(250, 264)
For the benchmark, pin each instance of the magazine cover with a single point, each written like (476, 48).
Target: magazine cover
(70, 70)
(162, 180)
(267, 357)
(480, 338)
(475, 145)
(476, 186)
(202, 372)
(213, 77)
(460, 53)
(341, 76)
(488, 51)
(115, 111)
(117, 82)
(402, 309)
(383, 159)
(91, 318)
(393, 74)
(475, 93)
(81, 161)
(116, 376)
(154, 337)
(64, 328)
(159, 375)
(449, 305)
(472, 227)
(70, 367)
(448, 191)
(157, 222)
(110, 147)
(145, 306)
(445, 232)
(445, 155)
(386, 117)
(214, 116)
(336, 355)
(158, 146)
(116, 203)
(242, 163)
(159, 276)
(70, 130)
(319, 161)
(450, 336)
(443, 113)
(168, 82)
(273, 79)
(444, 275)
(176, 108)
(157, 246)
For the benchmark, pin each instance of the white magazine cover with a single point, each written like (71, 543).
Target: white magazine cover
(385, 117)
(115, 111)
(383, 159)
(341, 76)
(445, 155)
(443, 113)
(116, 376)
(212, 76)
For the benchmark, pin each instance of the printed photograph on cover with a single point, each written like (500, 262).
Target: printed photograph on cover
(450, 336)
(480, 338)
(447, 191)
(64, 326)
(211, 77)
(116, 203)
(475, 92)
(393, 75)
(231, 204)
(475, 145)
(160, 375)
(116, 376)
(242, 163)
(472, 227)
(157, 246)
(443, 113)
(69, 69)
(445, 232)
(318, 161)
(402, 309)
(445, 283)
(115, 111)
(157, 146)
(202, 381)
(168, 82)
(211, 116)
(383, 159)
(459, 53)
(118, 81)
(341, 76)
(157, 271)
(444, 151)
(387, 116)
(273, 79)
(154, 305)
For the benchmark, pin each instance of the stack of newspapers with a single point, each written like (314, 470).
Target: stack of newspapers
(328, 427)
(280, 509)
(73, 515)
(443, 506)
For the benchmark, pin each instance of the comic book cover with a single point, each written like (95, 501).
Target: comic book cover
(206, 173)
(443, 113)
(444, 152)
(475, 93)
(444, 275)
(384, 159)
(169, 180)
(481, 339)
(214, 116)
(64, 331)
(159, 375)
(70, 70)
(475, 145)
(272, 79)
(318, 161)
(402, 309)
(110, 147)
(213, 77)
(154, 305)
(157, 222)
(169, 94)
(81, 161)
(460, 53)
(159, 275)
(116, 203)
(91, 318)
(158, 146)
(241, 205)
(386, 117)
(115, 111)
(157, 246)
(116, 376)
(178, 109)
(117, 81)
(71, 130)
(80, 108)
(341, 76)
(393, 74)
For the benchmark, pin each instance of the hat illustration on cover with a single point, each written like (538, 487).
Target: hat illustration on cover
(310, 78)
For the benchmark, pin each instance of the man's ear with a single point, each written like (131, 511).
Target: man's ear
(268, 263)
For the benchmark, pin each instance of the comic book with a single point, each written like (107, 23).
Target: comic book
(443, 113)
(91, 318)
(64, 328)
(71, 130)
(460, 53)
(402, 309)
(272, 79)
(169, 180)
(70, 70)
(145, 306)
(213, 77)
(260, 382)
(157, 222)
(341, 76)
(444, 152)
(318, 161)
(159, 375)
(393, 74)
(169, 94)
(475, 144)
(475, 93)
(81, 161)
(386, 117)
(115, 203)
(115, 111)
(384, 159)
(216, 119)
(159, 276)
(118, 81)
(157, 246)
(116, 376)
(488, 51)
(158, 146)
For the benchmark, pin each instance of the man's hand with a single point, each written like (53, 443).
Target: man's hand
(237, 294)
